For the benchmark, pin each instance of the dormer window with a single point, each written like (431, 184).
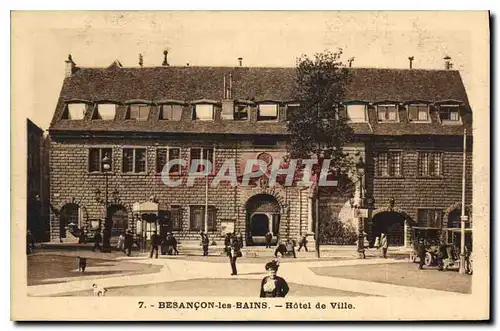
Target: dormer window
(418, 113)
(449, 113)
(203, 112)
(75, 111)
(172, 112)
(138, 112)
(387, 113)
(267, 112)
(105, 111)
(356, 113)
(292, 108)
(240, 112)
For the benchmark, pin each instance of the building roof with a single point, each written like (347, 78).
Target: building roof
(120, 84)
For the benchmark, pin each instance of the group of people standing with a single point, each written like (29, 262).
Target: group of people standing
(382, 243)
(168, 244)
(125, 242)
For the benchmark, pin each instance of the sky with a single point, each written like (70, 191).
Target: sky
(42, 41)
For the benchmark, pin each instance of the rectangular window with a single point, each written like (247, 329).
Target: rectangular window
(418, 112)
(389, 164)
(202, 154)
(430, 164)
(264, 141)
(449, 113)
(197, 218)
(292, 109)
(387, 113)
(134, 160)
(267, 112)
(138, 112)
(76, 111)
(96, 155)
(356, 113)
(171, 112)
(176, 217)
(432, 218)
(105, 111)
(203, 112)
(167, 154)
(241, 112)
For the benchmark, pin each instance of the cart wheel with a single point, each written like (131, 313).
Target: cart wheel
(428, 259)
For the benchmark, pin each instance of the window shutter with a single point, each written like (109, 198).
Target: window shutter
(413, 113)
(342, 112)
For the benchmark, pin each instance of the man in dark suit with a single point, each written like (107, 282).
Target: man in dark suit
(204, 242)
(234, 254)
(129, 242)
(421, 253)
(155, 242)
(97, 240)
(269, 237)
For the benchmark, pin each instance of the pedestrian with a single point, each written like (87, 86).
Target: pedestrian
(204, 242)
(155, 242)
(384, 244)
(280, 249)
(173, 244)
(269, 237)
(82, 264)
(421, 253)
(121, 242)
(82, 238)
(273, 286)
(377, 243)
(30, 242)
(129, 242)
(234, 254)
(290, 247)
(303, 242)
(227, 243)
(97, 240)
(239, 236)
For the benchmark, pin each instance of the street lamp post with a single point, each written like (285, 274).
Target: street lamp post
(106, 247)
(360, 168)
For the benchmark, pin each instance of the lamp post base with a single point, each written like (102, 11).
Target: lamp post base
(461, 270)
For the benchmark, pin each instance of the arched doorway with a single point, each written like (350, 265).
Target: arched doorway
(118, 216)
(392, 223)
(262, 215)
(68, 215)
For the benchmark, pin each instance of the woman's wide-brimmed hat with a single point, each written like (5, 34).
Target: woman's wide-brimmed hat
(273, 265)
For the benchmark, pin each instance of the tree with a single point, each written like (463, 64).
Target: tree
(317, 129)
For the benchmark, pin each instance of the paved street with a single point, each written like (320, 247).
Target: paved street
(183, 276)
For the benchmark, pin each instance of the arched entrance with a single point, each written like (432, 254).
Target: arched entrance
(69, 214)
(118, 216)
(392, 223)
(262, 215)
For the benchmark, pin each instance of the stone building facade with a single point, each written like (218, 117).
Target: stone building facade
(37, 202)
(408, 128)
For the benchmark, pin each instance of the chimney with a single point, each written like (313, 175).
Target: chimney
(165, 61)
(351, 60)
(447, 63)
(141, 62)
(240, 59)
(411, 58)
(70, 66)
